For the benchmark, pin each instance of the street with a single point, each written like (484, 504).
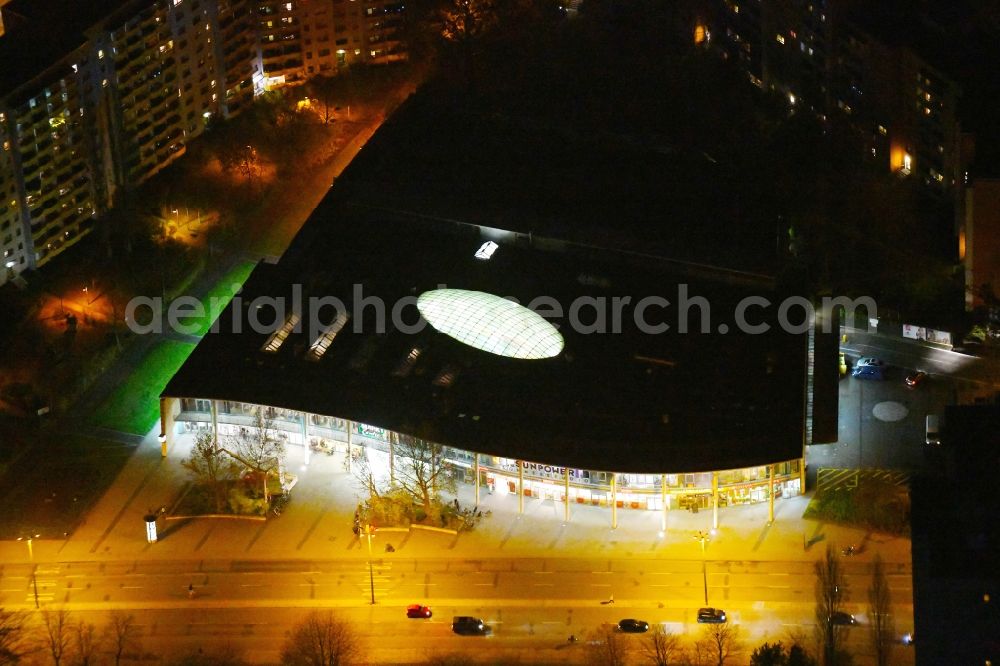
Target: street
(531, 604)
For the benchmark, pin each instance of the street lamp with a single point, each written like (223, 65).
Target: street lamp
(371, 572)
(703, 538)
(31, 557)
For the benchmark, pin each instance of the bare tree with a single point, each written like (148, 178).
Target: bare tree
(719, 642)
(211, 466)
(321, 639)
(259, 448)
(421, 470)
(57, 633)
(881, 625)
(607, 648)
(662, 647)
(87, 643)
(361, 468)
(122, 635)
(829, 595)
(13, 636)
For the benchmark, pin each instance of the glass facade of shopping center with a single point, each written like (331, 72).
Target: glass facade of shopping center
(313, 433)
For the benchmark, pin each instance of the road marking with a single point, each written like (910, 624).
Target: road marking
(600, 584)
(544, 584)
(131, 587)
(483, 584)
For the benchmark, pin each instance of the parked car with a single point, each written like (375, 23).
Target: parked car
(464, 625)
(876, 372)
(630, 626)
(711, 615)
(842, 618)
(916, 379)
(418, 611)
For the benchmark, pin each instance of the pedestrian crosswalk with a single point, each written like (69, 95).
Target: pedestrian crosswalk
(828, 479)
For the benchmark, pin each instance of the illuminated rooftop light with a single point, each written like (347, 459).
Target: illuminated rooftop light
(322, 343)
(277, 338)
(486, 250)
(490, 323)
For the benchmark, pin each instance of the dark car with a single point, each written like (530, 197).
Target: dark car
(630, 626)
(916, 379)
(418, 611)
(469, 626)
(869, 372)
(711, 615)
(842, 618)
(869, 360)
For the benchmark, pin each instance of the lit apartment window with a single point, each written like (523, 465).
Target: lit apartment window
(288, 6)
(780, 39)
(100, 54)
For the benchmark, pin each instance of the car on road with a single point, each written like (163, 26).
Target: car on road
(842, 618)
(464, 625)
(711, 615)
(630, 626)
(869, 372)
(419, 612)
(869, 360)
(916, 379)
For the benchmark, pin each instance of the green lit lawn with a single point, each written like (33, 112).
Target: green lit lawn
(223, 292)
(135, 406)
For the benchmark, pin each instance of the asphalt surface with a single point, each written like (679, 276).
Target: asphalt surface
(532, 605)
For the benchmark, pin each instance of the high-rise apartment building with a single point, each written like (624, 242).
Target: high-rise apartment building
(812, 52)
(113, 91)
(104, 100)
(302, 38)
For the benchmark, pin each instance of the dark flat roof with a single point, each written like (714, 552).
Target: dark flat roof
(622, 402)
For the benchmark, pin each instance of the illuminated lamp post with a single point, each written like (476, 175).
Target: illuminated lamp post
(31, 556)
(371, 571)
(703, 538)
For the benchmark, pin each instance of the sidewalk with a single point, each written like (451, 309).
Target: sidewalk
(317, 526)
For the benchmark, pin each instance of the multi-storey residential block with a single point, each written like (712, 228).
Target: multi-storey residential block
(105, 101)
(812, 52)
(302, 38)
(47, 175)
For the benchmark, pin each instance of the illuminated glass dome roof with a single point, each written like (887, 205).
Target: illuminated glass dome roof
(490, 323)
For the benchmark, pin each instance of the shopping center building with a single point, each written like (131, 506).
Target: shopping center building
(549, 370)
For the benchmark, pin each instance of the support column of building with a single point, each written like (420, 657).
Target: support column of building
(802, 476)
(166, 437)
(566, 492)
(214, 408)
(770, 494)
(715, 500)
(663, 502)
(477, 478)
(614, 501)
(392, 458)
(520, 486)
(350, 445)
(305, 438)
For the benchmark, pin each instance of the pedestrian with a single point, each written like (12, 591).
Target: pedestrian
(191, 591)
